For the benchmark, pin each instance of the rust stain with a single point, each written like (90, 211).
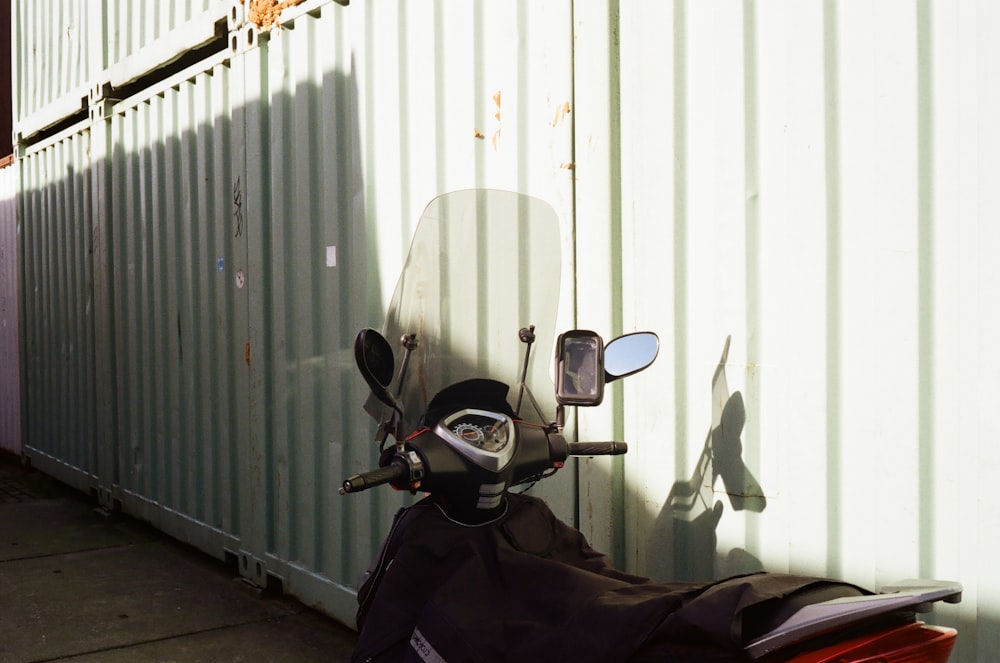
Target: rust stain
(264, 13)
(561, 112)
(496, 134)
(246, 352)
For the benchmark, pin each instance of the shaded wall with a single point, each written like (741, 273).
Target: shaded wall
(205, 242)
(10, 375)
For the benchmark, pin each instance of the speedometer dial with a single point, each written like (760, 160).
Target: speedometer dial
(486, 438)
(470, 433)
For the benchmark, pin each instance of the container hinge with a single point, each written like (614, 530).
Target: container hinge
(100, 101)
(245, 38)
(252, 568)
(237, 15)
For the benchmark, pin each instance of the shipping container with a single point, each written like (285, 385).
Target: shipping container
(6, 87)
(177, 315)
(58, 328)
(796, 196)
(10, 360)
(71, 54)
(57, 50)
(813, 180)
(335, 182)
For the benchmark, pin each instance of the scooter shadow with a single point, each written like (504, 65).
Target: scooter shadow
(689, 520)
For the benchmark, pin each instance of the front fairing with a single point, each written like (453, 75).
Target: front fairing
(482, 264)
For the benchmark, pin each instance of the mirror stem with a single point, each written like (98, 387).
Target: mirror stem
(409, 343)
(385, 427)
(527, 336)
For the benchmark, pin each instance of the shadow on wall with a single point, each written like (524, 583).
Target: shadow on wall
(690, 517)
(10, 386)
(687, 525)
(209, 318)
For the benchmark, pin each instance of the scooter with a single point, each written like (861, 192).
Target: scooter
(477, 570)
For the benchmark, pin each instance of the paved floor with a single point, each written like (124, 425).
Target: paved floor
(79, 586)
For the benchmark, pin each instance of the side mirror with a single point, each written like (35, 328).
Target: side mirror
(579, 368)
(630, 354)
(373, 355)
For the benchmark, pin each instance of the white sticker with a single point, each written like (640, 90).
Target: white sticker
(241, 279)
(331, 256)
(424, 649)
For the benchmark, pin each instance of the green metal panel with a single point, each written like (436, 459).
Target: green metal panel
(307, 300)
(66, 52)
(810, 178)
(57, 278)
(134, 26)
(10, 360)
(247, 216)
(336, 179)
(145, 38)
(54, 57)
(179, 307)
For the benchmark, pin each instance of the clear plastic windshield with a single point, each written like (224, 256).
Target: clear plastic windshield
(482, 264)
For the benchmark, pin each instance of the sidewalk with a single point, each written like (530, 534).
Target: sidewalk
(79, 586)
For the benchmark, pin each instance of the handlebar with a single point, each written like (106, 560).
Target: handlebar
(544, 453)
(366, 480)
(597, 448)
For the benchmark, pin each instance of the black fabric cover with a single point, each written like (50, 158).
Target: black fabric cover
(528, 587)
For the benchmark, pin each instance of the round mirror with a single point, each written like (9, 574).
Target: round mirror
(373, 355)
(630, 354)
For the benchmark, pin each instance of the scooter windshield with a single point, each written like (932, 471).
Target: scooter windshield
(482, 264)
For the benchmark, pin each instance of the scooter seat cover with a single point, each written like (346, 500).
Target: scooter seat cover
(528, 587)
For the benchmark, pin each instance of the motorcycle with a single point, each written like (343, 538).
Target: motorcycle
(478, 570)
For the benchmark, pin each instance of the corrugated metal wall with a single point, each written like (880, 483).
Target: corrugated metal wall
(66, 52)
(812, 179)
(55, 58)
(57, 279)
(10, 375)
(134, 26)
(246, 216)
(330, 210)
(307, 281)
(179, 310)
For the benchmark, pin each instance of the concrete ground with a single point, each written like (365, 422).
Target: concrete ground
(76, 585)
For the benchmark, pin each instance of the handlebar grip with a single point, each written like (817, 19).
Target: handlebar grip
(597, 448)
(366, 480)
